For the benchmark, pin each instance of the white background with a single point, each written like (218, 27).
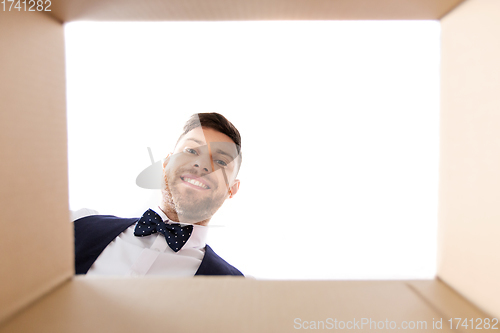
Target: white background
(339, 123)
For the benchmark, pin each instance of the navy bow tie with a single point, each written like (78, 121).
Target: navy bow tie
(175, 235)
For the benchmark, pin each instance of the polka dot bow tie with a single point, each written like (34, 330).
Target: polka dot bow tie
(175, 235)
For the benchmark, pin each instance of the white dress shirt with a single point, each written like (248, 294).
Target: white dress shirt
(128, 255)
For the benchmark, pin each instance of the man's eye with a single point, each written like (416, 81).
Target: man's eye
(191, 151)
(221, 163)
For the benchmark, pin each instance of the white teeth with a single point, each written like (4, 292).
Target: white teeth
(195, 182)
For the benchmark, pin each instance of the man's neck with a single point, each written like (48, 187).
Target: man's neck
(173, 216)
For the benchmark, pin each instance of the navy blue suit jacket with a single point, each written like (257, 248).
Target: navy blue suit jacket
(94, 233)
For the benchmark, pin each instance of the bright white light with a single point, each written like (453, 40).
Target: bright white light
(339, 122)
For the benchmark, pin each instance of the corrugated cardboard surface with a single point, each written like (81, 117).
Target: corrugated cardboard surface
(36, 245)
(226, 304)
(202, 10)
(36, 238)
(469, 209)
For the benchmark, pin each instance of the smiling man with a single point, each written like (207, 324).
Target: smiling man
(193, 192)
(169, 240)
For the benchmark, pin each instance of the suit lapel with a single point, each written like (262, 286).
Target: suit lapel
(93, 234)
(212, 264)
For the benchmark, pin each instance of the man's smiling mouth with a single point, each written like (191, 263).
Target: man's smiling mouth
(195, 183)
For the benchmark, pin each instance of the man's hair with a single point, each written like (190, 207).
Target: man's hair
(216, 122)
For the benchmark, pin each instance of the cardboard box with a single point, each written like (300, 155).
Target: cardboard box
(38, 290)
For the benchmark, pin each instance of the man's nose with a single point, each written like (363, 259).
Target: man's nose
(203, 163)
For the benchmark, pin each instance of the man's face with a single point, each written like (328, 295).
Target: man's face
(200, 174)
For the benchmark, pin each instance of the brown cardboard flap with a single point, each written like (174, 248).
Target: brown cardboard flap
(224, 304)
(445, 300)
(37, 254)
(469, 198)
(36, 250)
(200, 10)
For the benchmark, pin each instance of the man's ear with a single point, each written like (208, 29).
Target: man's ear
(234, 188)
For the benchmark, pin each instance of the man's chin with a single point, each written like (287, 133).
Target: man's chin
(195, 210)
(194, 206)
(190, 216)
